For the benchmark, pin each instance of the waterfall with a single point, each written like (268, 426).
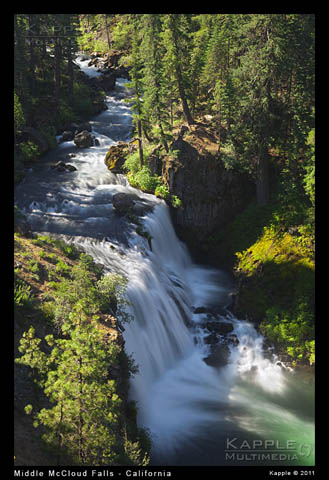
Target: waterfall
(191, 409)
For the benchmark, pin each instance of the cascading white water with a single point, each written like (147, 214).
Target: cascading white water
(191, 408)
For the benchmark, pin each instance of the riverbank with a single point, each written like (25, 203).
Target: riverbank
(42, 267)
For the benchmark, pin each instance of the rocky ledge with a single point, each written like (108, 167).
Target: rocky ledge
(211, 195)
(217, 335)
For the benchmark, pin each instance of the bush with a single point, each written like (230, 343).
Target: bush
(176, 201)
(144, 180)
(162, 191)
(292, 330)
(132, 163)
(22, 293)
(27, 152)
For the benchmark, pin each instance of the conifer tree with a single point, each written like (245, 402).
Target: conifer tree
(83, 420)
(155, 104)
(177, 57)
(136, 83)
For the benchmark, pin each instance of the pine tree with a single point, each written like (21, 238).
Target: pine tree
(155, 107)
(83, 421)
(177, 57)
(136, 83)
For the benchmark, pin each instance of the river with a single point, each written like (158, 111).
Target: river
(250, 411)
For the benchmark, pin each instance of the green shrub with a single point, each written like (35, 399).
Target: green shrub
(27, 152)
(176, 201)
(42, 240)
(65, 114)
(19, 120)
(62, 267)
(292, 330)
(144, 180)
(162, 191)
(132, 163)
(22, 293)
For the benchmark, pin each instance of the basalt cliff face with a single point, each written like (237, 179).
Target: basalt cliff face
(211, 195)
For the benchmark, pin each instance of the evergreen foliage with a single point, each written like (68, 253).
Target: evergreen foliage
(84, 420)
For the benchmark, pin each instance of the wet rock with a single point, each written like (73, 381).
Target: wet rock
(211, 339)
(83, 139)
(116, 156)
(63, 167)
(220, 327)
(233, 339)
(219, 356)
(67, 136)
(122, 203)
(59, 166)
(199, 310)
(70, 168)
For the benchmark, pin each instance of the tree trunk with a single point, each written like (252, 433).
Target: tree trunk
(32, 55)
(163, 138)
(70, 69)
(186, 110)
(57, 73)
(219, 107)
(140, 145)
(146, 135)
(107, 31)
(80, 433)
(262, 185)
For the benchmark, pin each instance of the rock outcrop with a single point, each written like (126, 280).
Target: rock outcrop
(63, 167)
(116, 156)
(109, 64)
(211, 195)
(122, 203)
(219, 356)
(83, 139)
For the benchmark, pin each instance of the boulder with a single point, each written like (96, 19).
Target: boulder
(220, 327)
(211, 339)
(83, 139)
(63, 167)
(59, 166)
(67, 136)
(122, 203)
(219, 356)
(70, 168)
(116, 156)
(199, 310)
